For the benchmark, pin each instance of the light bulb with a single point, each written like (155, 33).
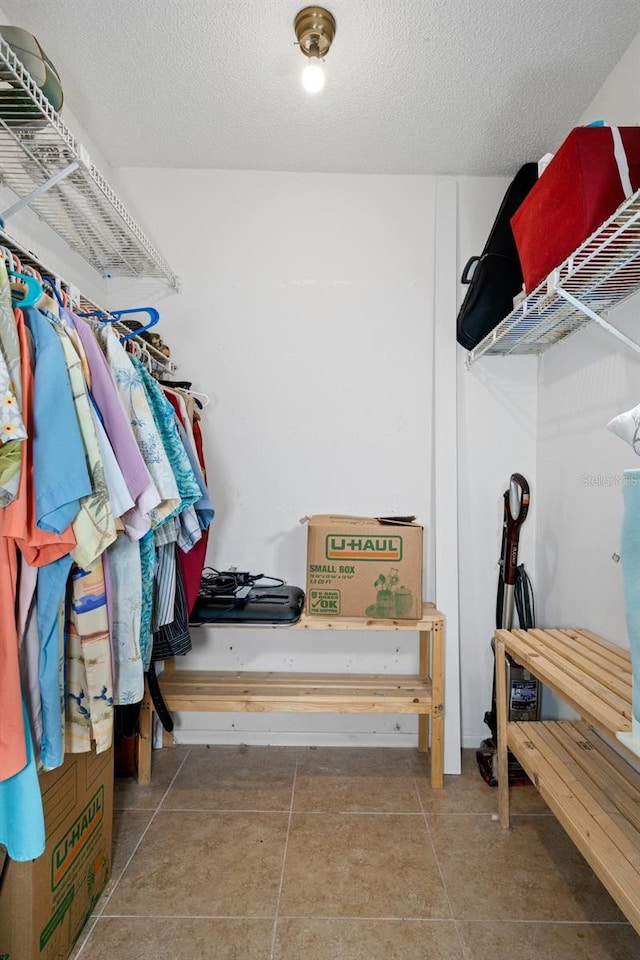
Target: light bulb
(313, 76)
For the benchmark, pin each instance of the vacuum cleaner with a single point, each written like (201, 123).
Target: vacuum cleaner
(515, 593)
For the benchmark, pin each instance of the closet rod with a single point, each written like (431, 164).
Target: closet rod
(160, 363)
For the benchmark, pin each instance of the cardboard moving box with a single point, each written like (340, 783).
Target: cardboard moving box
(364, 567)
(45, 903)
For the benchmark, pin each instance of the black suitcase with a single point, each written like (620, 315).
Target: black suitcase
(268, 605)
(497, 276)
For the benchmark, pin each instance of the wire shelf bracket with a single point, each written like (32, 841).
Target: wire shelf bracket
(48, 170)
(602, 273)
(598, 319)
(29, 199)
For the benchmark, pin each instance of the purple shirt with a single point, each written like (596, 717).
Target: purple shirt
(118, 429)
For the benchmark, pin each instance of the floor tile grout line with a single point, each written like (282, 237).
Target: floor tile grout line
(310, 813)
(86, 931)
(140, 839)
(463, 950)
(354, 919)
(284, 861)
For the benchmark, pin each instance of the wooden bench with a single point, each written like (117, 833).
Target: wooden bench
(243, 691)
(592, 789)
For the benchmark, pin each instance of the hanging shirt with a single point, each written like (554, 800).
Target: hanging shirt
(39, 547)
(192, 563)
(13, 746)
(94, 526)
(173, 639)
(125, 574)
(12, 428)
(203, 507)
(119, 496)
(19, 519)
(60, 481)
(164, 594)
(89, 672)
(118, 429)
(59, 460)
(147, 572)
(29, 649)
(50, 594)
(202, 511)
(21, 813)
(136, 405)
(164, 418)
(184, 407)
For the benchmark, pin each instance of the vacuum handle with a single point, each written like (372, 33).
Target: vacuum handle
(516, 508)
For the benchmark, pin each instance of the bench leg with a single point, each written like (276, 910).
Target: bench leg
(501, 708)
(145, 737)
(423, 669)
(437, 715)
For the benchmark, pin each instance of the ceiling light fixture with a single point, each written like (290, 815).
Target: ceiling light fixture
(315, 29)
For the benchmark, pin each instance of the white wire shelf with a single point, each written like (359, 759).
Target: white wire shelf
(602, 273)
(156, 361)
(48, 170)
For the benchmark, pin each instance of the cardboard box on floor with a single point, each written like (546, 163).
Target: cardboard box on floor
(45, 903)
(364, 567)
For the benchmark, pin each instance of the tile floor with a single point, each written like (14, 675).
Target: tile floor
(287, 853)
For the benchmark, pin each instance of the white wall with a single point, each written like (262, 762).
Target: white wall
(307, 316)
(618, 99)
(496, 437)
(370, 257)
(583, 383)
(590, 378)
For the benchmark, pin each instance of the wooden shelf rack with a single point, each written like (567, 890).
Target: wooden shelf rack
(243, 691)
(591, 788)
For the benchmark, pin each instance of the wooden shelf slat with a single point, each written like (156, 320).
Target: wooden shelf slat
(304, 692)
(588, 696)
(430, 617)
(583, 812)
(593, 791)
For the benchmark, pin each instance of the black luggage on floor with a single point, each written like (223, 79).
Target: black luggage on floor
(497, 277)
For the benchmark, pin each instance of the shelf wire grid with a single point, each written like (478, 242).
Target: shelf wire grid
(157, 361)
(602, 273)
(35, 146)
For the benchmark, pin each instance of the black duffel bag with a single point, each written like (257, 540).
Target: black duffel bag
(495, 277)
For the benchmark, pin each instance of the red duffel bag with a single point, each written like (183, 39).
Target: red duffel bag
(592, 173)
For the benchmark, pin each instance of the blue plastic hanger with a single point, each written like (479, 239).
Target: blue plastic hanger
(116, 315)
(34, 293)
(50, 281)
(151, 311)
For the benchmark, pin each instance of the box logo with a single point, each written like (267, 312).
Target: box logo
(76, 837)
(324, 602)
(348, 547)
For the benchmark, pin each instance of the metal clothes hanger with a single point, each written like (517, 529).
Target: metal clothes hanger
(202, 397)
(185, 387)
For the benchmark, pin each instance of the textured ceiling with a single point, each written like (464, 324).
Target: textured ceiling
(413, 86)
